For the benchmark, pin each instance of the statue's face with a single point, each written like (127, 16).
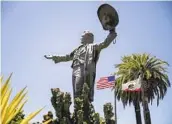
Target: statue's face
(87, 37)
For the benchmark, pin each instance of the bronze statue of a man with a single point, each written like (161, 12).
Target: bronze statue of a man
(85, 58)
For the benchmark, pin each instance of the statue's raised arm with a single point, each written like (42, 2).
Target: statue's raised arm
(59, 58)
(111, 36)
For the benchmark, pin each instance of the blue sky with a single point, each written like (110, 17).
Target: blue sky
(31, 30)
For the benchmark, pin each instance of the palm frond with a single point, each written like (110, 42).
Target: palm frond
(9, 109)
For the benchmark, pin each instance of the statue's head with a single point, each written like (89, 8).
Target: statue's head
(87, 37)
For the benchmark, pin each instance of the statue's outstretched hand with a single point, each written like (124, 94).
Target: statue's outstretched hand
(56, 59)
(48, 56)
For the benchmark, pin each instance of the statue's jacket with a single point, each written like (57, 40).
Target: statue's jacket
(85, 54)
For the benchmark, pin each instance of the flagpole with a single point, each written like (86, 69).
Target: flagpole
(115, 113)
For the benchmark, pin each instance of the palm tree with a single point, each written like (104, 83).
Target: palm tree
(154, 82)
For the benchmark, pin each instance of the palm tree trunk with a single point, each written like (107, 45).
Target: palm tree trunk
(137, 112)
(146, 112)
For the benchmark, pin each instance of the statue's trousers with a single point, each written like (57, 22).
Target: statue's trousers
(78, 75)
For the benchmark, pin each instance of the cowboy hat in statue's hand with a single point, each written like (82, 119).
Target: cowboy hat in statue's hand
(108, 16)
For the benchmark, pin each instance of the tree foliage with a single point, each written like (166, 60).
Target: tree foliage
(154, 73)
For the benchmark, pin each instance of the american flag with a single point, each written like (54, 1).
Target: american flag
(105, 82)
